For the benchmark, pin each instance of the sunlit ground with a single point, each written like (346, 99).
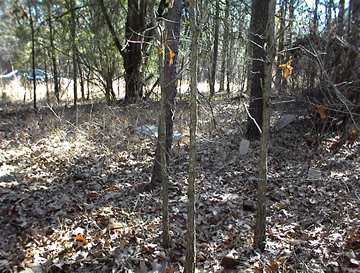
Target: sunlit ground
(65, 173)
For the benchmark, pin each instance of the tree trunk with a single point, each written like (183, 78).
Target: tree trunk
(81, 74)
(229, 63)
(283, 11)
(132, 54)
(88, 85)
(46, 81)
(260, 227)
(33, 64)
(279, 82)
(225, 48)
(353, 65)
(291, 21)
(162, 153)
(190, 261)
(71, 6)
(313, 32)
(259, 11)
(52, 52)
(351, 2)
(315, 18)
(135, 25)
(215, 49)
(328, 19)
(172, 36)
(340, 21)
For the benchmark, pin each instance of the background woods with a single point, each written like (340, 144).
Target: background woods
(179, 136)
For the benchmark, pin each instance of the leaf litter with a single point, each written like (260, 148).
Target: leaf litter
(68, 200)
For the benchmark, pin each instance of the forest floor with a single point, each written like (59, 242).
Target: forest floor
(68, 198)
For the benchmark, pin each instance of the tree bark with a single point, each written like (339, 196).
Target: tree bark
(172, 36)
(328, 19)
(225, 48)
(162, 152)
(260, 227)
(215, 48)
(291, 21)
(340, 21)
(33, 64)
(190, 261)
(71, 6)
(135, 25)
(132, 53)
(53, 52)
(81, 74)
(283, 11)
(259, 11)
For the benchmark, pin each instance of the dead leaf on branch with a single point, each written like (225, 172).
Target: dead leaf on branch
(287, 69)
(322, 110)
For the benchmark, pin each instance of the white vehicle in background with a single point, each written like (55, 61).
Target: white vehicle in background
(11, 75)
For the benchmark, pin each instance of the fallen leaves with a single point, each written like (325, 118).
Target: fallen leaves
(71, 207)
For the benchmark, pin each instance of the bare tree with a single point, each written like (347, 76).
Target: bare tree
(265, 87)
(191, 229)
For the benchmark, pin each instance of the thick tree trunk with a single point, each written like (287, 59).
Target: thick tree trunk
(190, 262)
(132, 54)
(260, 227)
(135, 26)
(258, 23)
(172, 35)
(215, 49)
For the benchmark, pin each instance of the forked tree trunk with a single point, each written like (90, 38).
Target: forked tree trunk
(260, 227)
(190, 261)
